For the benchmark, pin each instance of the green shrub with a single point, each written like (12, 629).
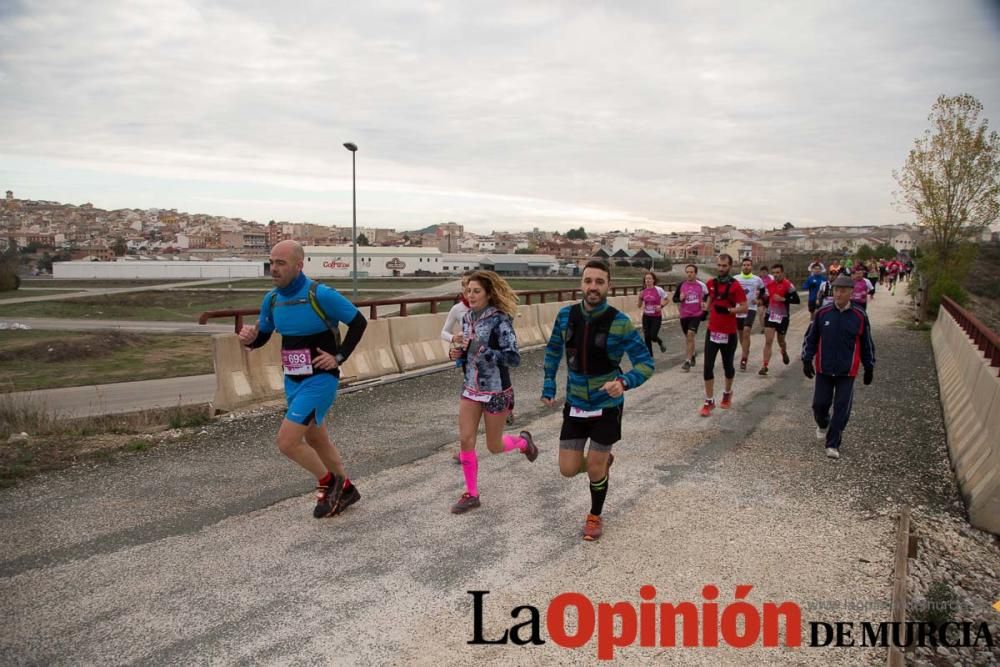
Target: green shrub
(946, 285)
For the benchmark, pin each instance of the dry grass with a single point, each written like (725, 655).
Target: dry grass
(33, 359)
(54, 443)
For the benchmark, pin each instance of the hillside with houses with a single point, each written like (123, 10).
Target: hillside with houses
(48, 231)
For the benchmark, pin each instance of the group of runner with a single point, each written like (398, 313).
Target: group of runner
(593, 337)
(838, 338)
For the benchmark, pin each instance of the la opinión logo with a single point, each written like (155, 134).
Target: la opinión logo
(572, 620)
(739, 623)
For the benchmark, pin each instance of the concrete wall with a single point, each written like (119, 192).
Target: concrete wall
(970, 398)
(389, 347)
(156, 269)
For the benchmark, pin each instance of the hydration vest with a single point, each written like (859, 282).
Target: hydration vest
(729, 289)
(587, 342)
(311, 299)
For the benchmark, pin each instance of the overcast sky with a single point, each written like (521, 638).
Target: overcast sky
(662, 115)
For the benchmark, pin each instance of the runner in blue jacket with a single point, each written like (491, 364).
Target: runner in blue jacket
(839, 339)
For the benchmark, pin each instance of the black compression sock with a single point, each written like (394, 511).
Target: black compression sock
(598, 492)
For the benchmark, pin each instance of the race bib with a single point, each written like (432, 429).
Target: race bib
(475, 396)
(718, 338)
(584, 414)
(297, 362)
(775, 317)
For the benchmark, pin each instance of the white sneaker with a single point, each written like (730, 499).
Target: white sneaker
(820, 433)
(832, 453)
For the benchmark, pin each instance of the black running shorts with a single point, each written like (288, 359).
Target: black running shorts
(604, 430)
(781, 327)
(690, 324)
(746, 321)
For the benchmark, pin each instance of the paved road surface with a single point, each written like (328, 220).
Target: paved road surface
(145, 326)
(111, 290)
(205, 551)
(122, 397)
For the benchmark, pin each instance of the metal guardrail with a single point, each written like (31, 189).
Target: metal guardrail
(527, 297)
(982, 336)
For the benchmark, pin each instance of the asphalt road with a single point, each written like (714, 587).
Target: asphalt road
(204, 550)
(122, 397)
(111, 290)
(144, 326)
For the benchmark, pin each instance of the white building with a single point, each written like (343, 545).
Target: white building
(457, 264)
(151, 270)
(903, 241)
(374, 261)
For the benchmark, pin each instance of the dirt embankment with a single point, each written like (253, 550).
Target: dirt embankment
(983, 286)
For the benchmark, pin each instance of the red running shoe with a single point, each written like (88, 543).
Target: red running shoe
(593, 528)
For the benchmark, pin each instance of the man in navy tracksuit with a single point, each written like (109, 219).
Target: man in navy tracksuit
(840, 340)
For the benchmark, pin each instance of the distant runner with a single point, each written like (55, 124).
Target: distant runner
(753, 287)
(652, 299)
(726, 301)
(690, 298)
(814, 283)
(780, 295)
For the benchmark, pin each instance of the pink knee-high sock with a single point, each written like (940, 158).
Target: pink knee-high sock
(470, 468)
(514, 442)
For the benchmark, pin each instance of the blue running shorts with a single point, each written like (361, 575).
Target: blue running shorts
(310, 398)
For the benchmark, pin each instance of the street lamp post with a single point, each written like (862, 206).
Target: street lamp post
(354, 225)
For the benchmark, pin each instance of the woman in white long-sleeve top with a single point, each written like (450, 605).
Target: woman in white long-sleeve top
(455, 316)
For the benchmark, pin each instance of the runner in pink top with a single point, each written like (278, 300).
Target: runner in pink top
(690, 299)
(863, 289)
(652, 299)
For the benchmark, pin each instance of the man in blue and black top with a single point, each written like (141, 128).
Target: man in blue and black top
(594, 337)
(307, 315)
(839, 341)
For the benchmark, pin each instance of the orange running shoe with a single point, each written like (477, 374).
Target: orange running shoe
(593, 528)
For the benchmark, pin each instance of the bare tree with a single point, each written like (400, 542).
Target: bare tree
(951, 179)
(951, 183)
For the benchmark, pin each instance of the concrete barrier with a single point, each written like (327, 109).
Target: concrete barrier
(232, 386)
(546, 316)
(389, 346)
(970, 398)
(373, 357)
(416, 341)
(526, 327)
(243, 377)
(630, 306)
(263, 367)
(670, 312)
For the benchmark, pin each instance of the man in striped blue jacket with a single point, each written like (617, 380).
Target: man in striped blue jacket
(595, 337)
(840, 340)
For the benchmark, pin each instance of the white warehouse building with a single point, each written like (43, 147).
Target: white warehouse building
(374, 261)
(335, 261)
(157, 269)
